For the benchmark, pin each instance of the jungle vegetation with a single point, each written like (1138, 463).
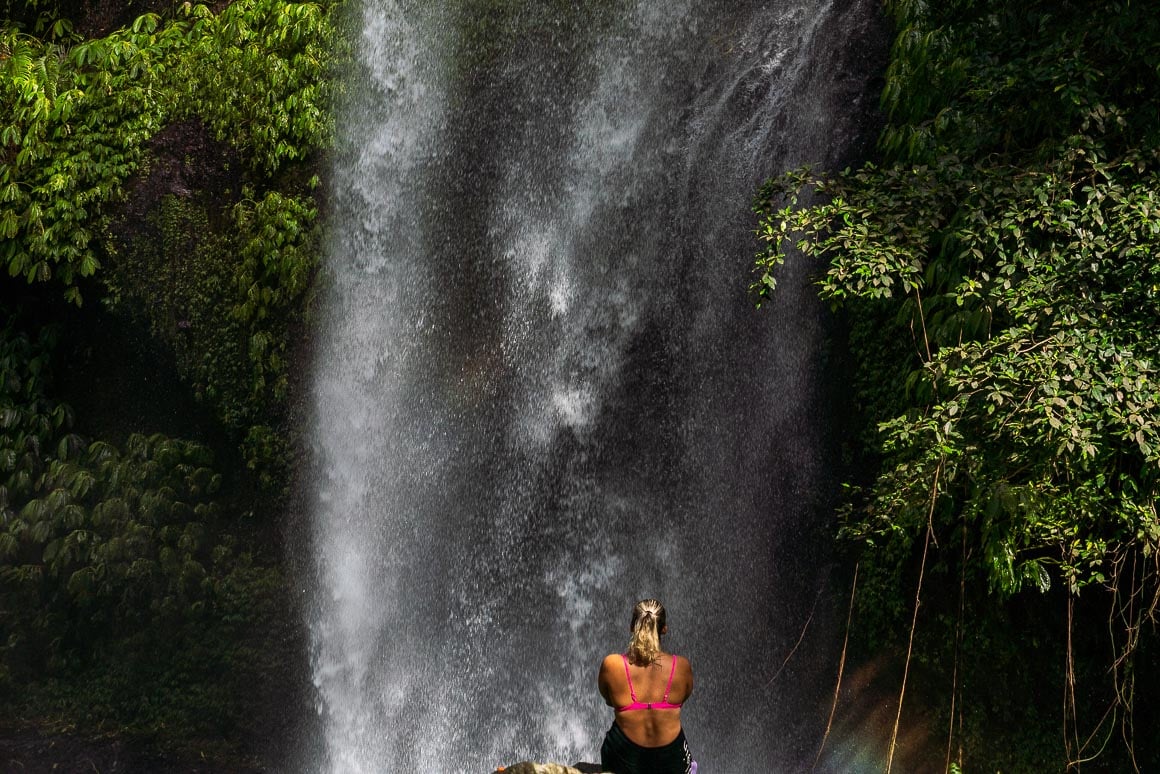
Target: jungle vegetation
(997, 271)
(994, 272)
(158, 174)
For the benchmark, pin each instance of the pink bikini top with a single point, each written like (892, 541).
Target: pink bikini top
(640, 705)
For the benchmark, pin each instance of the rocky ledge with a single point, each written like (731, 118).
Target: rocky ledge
(527, 767)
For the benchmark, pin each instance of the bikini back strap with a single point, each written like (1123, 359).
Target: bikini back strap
(672, 671)
(627, 676)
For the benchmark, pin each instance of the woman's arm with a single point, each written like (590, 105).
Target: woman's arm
(607, 675)
(685, 673)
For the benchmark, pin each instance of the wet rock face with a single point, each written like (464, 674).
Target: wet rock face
(184, 161)
(90, 18)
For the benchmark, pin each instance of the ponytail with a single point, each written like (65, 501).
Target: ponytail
(648, 619)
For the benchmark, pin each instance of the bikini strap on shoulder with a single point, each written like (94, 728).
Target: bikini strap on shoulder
(628, 677)
(672, 671)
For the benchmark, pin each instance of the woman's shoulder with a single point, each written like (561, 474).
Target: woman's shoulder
(611, 668)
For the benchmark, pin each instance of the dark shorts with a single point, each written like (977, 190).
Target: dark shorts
(621, 755)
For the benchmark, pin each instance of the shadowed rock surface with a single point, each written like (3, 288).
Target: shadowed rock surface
(29, 750)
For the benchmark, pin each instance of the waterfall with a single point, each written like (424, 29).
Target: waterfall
(542, 392)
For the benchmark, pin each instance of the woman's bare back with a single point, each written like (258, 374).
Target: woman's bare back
(647, 727)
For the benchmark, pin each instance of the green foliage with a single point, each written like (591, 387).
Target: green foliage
(80, 115)
(1034, 298)
(278, 248)
(88, 525)
(227, 303)
(108, 551)
(1010, 242)
(977, 78)
(127, 590)
(177, 273)
(83, 112)
(257, 74)
(225, 280)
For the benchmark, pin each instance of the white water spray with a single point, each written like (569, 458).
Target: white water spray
(542, 392)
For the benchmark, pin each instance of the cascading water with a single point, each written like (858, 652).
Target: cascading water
(541, 390)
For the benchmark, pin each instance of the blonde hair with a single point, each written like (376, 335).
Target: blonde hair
(648, 619)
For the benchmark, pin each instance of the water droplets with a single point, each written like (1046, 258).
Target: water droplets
(539, 388)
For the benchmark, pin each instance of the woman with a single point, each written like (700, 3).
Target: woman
(646, 687)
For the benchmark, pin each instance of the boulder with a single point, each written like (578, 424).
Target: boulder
(527, 767)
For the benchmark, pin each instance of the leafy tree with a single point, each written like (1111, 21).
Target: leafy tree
(1010, 238)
